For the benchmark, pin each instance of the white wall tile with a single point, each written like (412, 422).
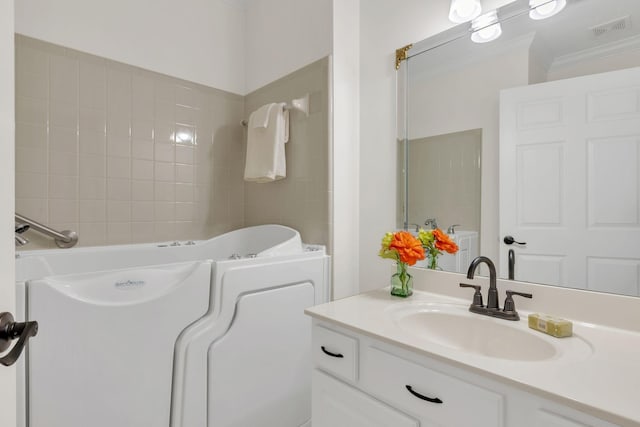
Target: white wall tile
(100, 154)
(92, 188)
(142, 211)
(118, 211)
(184, 173)
(142, 190)
(118, 189)
(92, 166)
(142, 169)
(63, 211)
(141, 149)
(119, 167)
(31, 160)
(63, 163)
(164, 152)
(63, 187)
(92, 211)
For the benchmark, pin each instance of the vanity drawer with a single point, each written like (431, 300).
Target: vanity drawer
(335, 352)
(453, 402)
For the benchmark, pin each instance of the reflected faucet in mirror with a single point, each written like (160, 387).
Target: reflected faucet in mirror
(431, 223)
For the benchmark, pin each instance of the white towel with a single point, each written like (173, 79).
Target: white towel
(265, 161)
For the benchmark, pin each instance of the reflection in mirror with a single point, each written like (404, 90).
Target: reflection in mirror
(446, 168)
(557, 106)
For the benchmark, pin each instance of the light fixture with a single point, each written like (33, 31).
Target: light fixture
(486, 27)
(543, 9)
(464, 10)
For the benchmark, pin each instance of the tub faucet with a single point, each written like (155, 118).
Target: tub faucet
(492, 308)
(19, 229)
(20, 241)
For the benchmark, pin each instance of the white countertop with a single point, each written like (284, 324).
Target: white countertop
(603, 382)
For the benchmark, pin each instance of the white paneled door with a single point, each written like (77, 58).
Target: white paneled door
(7, 294)
(570, 181)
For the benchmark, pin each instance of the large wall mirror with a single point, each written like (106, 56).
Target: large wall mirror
(534, 135)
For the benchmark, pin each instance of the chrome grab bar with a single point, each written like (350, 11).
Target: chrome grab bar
(64, 239)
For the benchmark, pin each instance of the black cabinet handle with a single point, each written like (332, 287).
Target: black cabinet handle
(327, 352)
(420, 396)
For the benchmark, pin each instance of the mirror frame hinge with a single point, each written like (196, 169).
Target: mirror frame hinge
(401, 54)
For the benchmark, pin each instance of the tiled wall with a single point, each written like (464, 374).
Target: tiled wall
(121, 154)
(445, 179)
(301, 200)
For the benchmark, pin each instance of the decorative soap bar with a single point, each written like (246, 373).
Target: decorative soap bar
(554, 326)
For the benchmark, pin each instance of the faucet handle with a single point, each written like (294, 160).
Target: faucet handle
(477, 296)
(509, 305)
(452, 228)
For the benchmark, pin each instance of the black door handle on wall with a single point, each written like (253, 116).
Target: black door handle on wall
(9, 331)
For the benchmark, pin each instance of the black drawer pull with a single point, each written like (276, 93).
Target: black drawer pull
(331, 354)
(419, 396)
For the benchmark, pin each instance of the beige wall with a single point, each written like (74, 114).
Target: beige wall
(301, 200)
(121, 154)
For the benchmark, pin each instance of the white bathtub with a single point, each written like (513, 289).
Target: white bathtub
(210, 333)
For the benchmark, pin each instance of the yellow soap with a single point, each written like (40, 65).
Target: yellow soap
(553, 326)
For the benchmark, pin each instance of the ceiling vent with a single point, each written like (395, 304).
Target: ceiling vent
(616, 26)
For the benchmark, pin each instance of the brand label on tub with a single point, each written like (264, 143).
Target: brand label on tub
(130, 284)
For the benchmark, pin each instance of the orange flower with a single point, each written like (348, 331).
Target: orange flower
(408, 247)
(444, 243)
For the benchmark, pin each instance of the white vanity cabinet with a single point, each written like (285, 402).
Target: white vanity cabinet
(362, 381)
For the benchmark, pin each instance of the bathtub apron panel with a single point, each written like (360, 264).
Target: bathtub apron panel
(205, 363)
(105, 347)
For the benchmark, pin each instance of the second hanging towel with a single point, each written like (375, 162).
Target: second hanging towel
(268, 131)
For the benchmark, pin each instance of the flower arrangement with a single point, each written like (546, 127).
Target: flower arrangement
(405, 249)
(434, 243)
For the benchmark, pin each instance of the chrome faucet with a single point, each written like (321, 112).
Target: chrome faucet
(19, 229)
(431, 223)
(492, 308)
(416, 227)
(20, 241)
(452, 228)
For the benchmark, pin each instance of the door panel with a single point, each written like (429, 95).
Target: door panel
(570, 181)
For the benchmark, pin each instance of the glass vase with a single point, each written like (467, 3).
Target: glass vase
(401, 281)
(432, 261)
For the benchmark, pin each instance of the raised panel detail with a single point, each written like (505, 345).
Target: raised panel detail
(540, 179)
(540, 114)
(336, 404)
(612, 185)
(620, 276)
(617, 104)
(548, 419)
(541, 268)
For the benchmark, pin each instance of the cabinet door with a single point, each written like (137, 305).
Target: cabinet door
(335, 404)
(545, 418)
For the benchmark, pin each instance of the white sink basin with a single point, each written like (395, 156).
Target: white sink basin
(454, 327)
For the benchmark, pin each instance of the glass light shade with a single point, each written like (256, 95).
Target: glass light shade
(486, 28)
(464, 10)
(543, 9)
